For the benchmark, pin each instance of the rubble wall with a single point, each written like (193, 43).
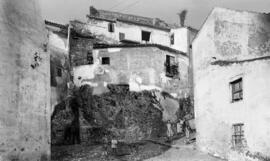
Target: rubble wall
(25, 83)
(140, 68)
(226, 49)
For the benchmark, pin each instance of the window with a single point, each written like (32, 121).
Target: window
(111, 27)
(59, 72)
(172, 39)
(105, 61)
(121, 36)
(237, 91)
(238, 135)
(146, 36)
(90, 59)
(171, 66)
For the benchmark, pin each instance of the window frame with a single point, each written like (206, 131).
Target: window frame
(172, 39)
(90, 58)
(146, 32)
(170, 65)
(237, 83)
(103, 62)
(111, 27)
(238, 135)
(122, 36)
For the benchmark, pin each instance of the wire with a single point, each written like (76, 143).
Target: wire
(116, 5)
(129, 6)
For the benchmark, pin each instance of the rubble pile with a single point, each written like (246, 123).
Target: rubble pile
(127, 116)
(119, 114)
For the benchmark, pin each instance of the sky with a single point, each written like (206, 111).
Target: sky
(61, 11)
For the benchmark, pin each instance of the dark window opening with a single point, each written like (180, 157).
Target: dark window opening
(172, 39)
(53, 75)
(146, 36)
(121, 36)
(111, 27)
(237, 91)
(59, 72)
(238, 135)
(90, 59)
(171, 67)
(105, 61)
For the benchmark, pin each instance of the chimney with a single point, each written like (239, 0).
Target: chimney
(182, 16)
(154, 21)
(93, 11)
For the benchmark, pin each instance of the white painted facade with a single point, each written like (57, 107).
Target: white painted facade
(246, 57)
(141, 68)
(133, 32)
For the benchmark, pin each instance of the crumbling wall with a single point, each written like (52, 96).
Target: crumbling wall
(142, 68)
(25, 83)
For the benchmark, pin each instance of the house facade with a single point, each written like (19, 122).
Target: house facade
(231, 93)
(142, 67)
(119, 27)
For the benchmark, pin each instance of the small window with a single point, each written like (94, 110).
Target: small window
(90, 59)
(237, 91)
(121, 36)
(59, 72)
(146, 36)
(172, 39)
(105, 61)
(171, 66)
(111, 27)
(238, 135)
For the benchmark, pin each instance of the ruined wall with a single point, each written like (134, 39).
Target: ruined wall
(232, 36)
(133, 32)
(25, 83)
(142, 68)
(79, 47)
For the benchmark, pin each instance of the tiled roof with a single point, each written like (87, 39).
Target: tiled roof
(128, 18)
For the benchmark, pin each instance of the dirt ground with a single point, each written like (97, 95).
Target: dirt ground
(146, 151)
(103, 153)
(183, 152)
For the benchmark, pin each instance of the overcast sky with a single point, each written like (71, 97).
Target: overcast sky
(62, 11)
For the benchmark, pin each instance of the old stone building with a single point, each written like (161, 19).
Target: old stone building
(231, 92)
(25, 83)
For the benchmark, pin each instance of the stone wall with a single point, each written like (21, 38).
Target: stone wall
(232, 45)
(25, 83)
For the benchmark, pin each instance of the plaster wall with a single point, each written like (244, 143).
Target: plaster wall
(142, 68)
(24, 83)
(232, 36)
(133, 32)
